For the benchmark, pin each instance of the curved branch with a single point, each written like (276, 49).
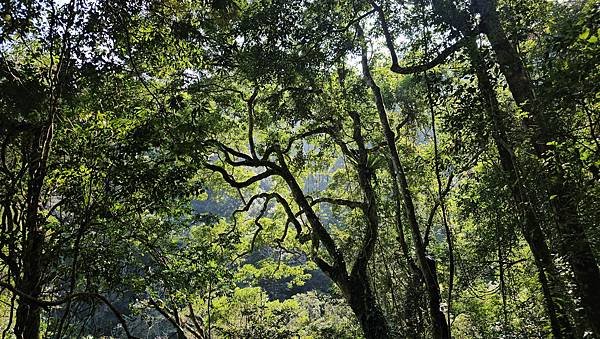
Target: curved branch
(389, 40)
(439, 59)
(320, 233)
(199, 328)
(247, 159)
(354, 21)
(284, 203)
(228, 150)
(445, 192)
(291, 216)
(239, 184)
(259, 228)
(433, 210)
(170, 318)
(318, 130)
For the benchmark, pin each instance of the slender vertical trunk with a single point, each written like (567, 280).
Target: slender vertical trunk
(442, 203)
(179, 328)
(573, 243)
(548, 274)
(439, 326)
(412, 295)
(361, 296)
(28, 314)
(209, 308)
(27, 323)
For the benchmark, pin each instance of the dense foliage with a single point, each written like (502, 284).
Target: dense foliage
(300, 169)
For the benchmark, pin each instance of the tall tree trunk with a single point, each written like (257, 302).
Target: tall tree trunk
(356, 286)
(412, 298)
(27, 323)
(439, 326)
(548, 275)
(572, 240)
(363, 303)
(361, 297)
(36, 152)
(412, 306)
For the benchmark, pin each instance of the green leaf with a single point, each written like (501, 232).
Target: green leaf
(585, 34)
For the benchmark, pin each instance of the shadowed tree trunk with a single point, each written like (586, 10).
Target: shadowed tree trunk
(27, 323)
(363, 303)
(439, 326)
(413, 324)
(548, 275)
(356, 286)
(572, 240)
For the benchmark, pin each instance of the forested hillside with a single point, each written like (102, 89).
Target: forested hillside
(299, 169)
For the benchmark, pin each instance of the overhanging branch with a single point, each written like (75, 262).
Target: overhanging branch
(239, 184)
(439, 59)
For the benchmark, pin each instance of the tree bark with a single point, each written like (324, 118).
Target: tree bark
(414, 288)
(572, 240)
(548, 275)
(27, 323)
(439, 326)
(356, 286)
(363, 303)
(362, 299)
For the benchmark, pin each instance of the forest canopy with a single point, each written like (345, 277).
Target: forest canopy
(299, 169)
